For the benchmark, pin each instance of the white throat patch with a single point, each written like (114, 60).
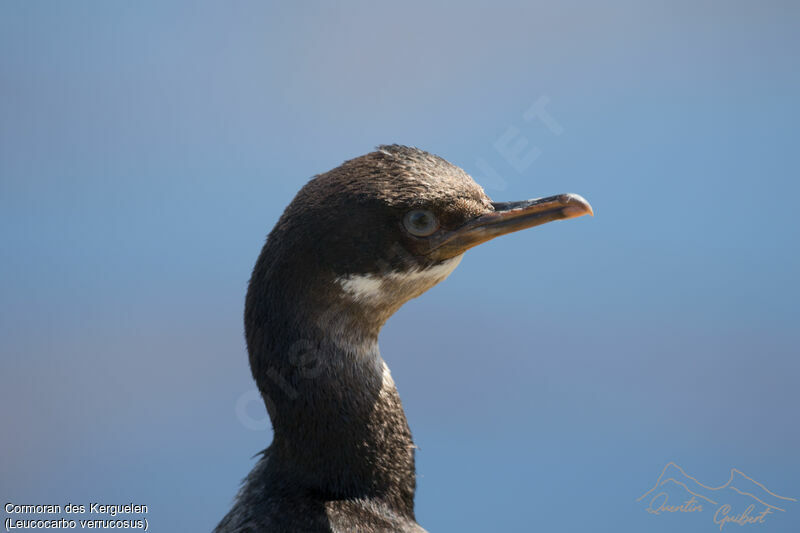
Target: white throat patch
(373, 289)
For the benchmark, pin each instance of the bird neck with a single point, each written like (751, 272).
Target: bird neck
(340, 431)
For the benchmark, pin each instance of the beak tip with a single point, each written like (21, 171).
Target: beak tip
(576, 205)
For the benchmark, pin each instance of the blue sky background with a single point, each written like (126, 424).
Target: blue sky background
(146, 149)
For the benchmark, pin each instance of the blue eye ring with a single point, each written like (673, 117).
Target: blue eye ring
(421, 222)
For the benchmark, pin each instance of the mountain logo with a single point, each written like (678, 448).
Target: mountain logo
(741, 500)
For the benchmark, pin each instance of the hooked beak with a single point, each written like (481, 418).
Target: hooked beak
(508, 217)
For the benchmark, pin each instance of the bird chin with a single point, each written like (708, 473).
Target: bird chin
(395, 287)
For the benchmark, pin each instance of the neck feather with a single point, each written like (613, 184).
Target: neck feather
(339, 426)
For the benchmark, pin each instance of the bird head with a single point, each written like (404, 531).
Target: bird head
(385, 227)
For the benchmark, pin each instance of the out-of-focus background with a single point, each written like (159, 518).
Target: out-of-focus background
(146, 149)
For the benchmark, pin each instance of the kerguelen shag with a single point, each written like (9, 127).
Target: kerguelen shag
(354, 245)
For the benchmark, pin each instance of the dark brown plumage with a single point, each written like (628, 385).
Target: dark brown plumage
(339, 262)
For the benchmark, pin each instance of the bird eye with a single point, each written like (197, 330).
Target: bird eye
(420, 222)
